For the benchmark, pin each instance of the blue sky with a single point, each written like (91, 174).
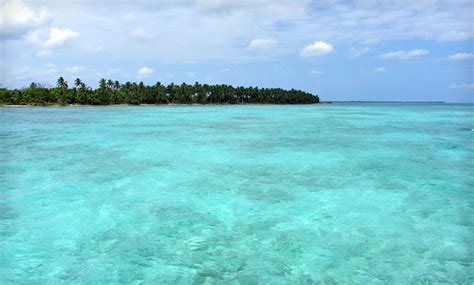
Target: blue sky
(340, 50)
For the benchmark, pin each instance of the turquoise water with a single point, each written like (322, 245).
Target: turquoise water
(335, 194)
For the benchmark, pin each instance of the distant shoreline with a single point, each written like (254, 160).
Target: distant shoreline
(151, 105)
(111, 92)
(223, 104)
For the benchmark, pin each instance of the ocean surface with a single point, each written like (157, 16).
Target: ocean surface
(330, 194)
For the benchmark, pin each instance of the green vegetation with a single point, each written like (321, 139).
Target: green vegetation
(112, 92)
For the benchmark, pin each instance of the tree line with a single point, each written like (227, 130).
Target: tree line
(113, 92)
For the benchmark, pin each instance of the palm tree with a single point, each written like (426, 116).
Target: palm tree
(102, 84)
(110, 84)
(78, 82)
(61, 83)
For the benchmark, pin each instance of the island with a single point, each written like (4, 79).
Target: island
(110, 92)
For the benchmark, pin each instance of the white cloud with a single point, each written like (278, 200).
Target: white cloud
(316, 72)
(262, 44)
(17, 19)
(379, 69)
(454, 36)
(316, 49)
(461, 56)
(144, 72)
(141, 34)
(462, 86)
(405, 54)
(58, 36)
(357, 52)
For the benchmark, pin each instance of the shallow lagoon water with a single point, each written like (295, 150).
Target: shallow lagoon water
(335, 194)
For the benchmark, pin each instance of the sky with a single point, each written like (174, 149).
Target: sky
(388, 50)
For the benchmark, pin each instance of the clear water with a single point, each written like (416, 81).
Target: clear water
(343, 193)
